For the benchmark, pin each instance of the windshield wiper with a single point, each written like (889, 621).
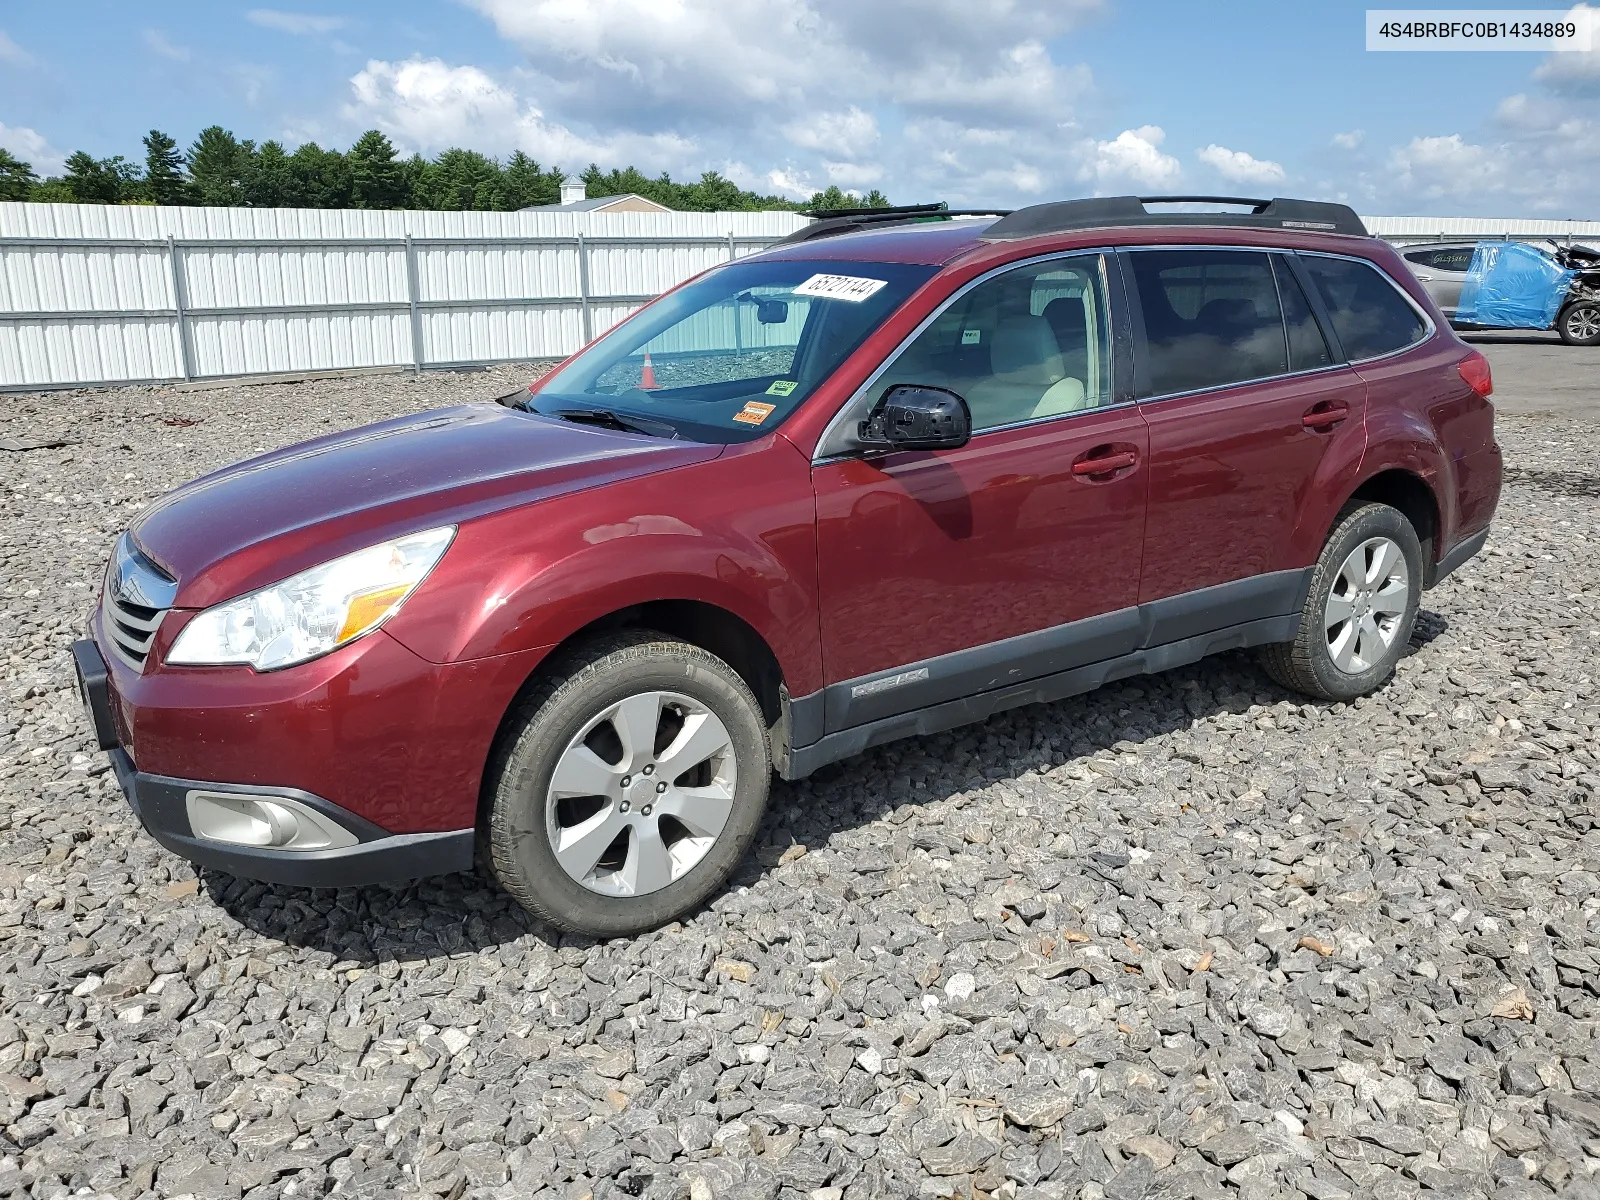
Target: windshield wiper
(610, 420)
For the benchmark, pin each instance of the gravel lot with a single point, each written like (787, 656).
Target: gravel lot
(1187, 936)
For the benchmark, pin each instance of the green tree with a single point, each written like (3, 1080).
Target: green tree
(833, 197)
(525, 183)
(218, 163)
(321, 177)
(270, 181)
(376, 179)
(163, 170)
(463, 179)
(100, 180)
(220, 169)
(52, 191)
(16, 177)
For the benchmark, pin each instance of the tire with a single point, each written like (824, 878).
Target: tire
(1373, 555)
(591, 717)
(1579, 324)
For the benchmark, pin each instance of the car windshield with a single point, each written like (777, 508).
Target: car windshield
(727, 357)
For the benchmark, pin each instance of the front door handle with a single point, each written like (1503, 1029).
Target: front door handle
(1324, 415)
(1092, 464)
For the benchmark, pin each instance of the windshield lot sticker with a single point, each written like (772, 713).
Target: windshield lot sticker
(971, 337)
(754, 412)
(840, 287)
(783, 387)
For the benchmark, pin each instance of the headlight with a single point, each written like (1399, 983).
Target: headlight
(313, 612)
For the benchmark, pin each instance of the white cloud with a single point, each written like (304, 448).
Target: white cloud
(1350, 140)
(157, 41)
(1239, 167)
(429, 105)
(1133, 156)
(848, 134)
(1575, 72)
(852, 174)
(944, 95)
(31, 147)
(12, 53)
(299, 24)
(1446, 167)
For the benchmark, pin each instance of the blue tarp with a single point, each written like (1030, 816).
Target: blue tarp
(1511, 285)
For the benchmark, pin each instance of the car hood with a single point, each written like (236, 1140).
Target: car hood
(261, 520)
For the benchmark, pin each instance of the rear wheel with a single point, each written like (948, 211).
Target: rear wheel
(629, 786)
(1579, 324)
(1359, 611)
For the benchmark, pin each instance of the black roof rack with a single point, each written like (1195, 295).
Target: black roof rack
(830, 221)
(1106, 211)
(893, 210)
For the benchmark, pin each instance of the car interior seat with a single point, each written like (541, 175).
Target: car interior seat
(1028, 377)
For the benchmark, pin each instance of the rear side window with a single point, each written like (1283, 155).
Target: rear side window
(1368, 312)
(1308, 349)
(1456, 258)
(1211, 318)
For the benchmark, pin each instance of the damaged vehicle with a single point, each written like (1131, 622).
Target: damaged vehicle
(1513, 285)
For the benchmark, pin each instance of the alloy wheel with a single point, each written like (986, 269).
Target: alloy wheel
(641, 793)
(1583, 323)
(1366, 605)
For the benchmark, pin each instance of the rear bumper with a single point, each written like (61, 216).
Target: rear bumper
(161, 802)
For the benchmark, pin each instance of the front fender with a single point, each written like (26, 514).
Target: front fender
(737, 532)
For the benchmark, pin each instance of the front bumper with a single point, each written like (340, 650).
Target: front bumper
(161, 803)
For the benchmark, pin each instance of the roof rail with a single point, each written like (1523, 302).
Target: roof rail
(830, 221)
(1110, 211)
(883, 211)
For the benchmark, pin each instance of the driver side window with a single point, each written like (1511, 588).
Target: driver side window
(1028, 344)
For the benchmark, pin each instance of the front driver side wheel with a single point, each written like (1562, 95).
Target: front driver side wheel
(1359, 610)
(628, 786)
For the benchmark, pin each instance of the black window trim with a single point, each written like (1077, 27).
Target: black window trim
(1313, 296)
(1288, 264)
(1142, 345)
(1119, 330)
(1319, 309)
(1428, 327)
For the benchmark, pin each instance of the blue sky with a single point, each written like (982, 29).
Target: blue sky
(1002, 102)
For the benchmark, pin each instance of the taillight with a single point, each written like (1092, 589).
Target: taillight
(1475, 373)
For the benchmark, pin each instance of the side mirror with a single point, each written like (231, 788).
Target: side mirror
(772, 312)
(913, 417)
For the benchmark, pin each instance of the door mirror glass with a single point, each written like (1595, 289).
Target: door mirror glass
(913, 417)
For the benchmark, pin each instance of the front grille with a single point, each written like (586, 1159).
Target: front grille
(137, 595)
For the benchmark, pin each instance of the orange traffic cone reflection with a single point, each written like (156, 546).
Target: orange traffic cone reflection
(647, 377)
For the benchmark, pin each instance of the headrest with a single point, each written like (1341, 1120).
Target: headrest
(1227, 311)
(1025, 346)
(1066, 315)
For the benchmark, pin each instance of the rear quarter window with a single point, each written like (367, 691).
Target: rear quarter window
(1368, 312)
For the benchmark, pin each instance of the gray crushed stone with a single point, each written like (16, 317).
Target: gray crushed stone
(1188, 936)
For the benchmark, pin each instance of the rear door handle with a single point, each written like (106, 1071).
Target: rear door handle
(1104, 464)
(1325, 415)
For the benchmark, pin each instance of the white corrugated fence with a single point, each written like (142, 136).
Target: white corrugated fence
(94, 294)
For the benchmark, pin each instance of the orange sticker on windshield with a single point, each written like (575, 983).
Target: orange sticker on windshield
(754, 412)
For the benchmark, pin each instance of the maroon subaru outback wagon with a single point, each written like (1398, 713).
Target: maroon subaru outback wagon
(896, 473)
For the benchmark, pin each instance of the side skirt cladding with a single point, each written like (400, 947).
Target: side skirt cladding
(969, 685)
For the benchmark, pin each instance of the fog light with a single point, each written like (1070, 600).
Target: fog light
(268, 822)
